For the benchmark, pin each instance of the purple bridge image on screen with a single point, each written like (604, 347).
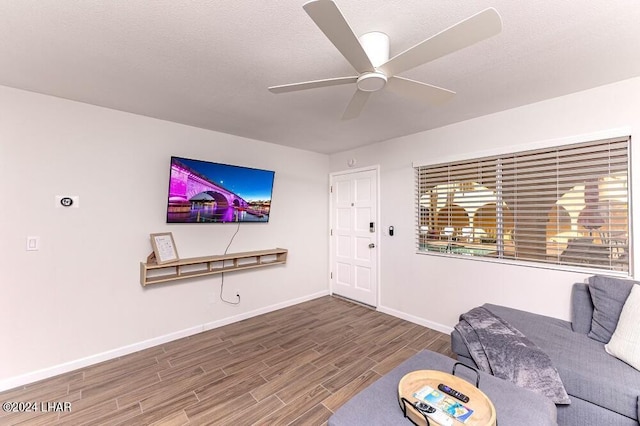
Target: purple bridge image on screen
(194, 196)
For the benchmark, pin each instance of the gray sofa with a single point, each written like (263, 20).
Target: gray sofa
(603, 390)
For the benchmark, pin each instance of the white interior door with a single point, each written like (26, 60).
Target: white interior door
(354, 231)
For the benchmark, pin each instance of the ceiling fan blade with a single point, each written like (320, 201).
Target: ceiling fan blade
(329, 19)
(419, 91)
(356, 105)
(465, 33)
(312, 84)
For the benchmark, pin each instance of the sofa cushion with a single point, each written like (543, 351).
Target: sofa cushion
(625, 342)
(584, 413)
(586, 369)
(538, 324)
(581, 308)
(608, 296)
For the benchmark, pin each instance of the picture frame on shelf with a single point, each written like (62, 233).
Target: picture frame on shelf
(164, 248)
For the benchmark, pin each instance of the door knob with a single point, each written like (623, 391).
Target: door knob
(372, 245)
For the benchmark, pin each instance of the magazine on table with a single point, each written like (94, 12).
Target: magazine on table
(444, 402)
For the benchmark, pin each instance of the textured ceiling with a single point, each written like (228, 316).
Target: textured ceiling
(209, 63)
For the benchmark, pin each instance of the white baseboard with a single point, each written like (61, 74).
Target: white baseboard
(267, 309)
(416, 320)
(45, 373)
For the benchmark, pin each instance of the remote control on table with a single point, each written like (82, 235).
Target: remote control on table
(433, 413)
(454, 393)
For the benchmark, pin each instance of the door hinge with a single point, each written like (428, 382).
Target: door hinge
(330, 275)
(331, 232)
(331, 189)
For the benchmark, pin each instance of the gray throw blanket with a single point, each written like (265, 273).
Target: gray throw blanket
(499, 349)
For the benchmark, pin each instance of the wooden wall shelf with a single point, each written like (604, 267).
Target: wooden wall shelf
(152, 273)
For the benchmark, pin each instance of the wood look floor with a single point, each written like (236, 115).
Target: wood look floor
(292, 366)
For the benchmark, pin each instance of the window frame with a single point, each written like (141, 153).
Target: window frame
(605, 138)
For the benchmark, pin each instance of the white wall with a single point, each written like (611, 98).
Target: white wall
(435, 290)
(79, 299)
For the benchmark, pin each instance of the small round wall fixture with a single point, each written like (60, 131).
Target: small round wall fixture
(66, 201)
(351, 162)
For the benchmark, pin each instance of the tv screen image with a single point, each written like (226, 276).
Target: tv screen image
(207, 192)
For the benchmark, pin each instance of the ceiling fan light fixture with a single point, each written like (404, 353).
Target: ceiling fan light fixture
(371, 81)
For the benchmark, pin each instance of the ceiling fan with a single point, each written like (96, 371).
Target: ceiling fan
(369, 55)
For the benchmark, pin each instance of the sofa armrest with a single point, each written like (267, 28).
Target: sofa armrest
(581, 308)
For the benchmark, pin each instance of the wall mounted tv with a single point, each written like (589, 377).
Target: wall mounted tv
(206, 192)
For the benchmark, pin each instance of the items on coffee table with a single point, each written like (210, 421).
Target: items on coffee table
(419, 396)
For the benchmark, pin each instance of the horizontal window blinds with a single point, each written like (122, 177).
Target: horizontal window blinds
(565, 205)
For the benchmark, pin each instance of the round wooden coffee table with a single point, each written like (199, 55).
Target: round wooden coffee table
(484, 413)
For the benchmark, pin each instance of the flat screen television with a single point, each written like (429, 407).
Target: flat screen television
(206, 192)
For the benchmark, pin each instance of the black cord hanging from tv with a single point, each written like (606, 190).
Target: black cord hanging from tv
(222, 273)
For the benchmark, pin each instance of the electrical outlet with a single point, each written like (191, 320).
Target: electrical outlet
(33, 243)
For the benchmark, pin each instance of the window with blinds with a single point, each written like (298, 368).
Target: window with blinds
(566, 205)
